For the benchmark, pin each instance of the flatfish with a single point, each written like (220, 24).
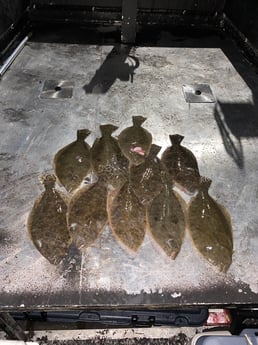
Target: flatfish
(210, 228)
(47, 224)
(87, 215)
(72, 163)
(147, 178)
(107, 160)
(181, 164)
(135, 141)
(127, 218)
(166, 222)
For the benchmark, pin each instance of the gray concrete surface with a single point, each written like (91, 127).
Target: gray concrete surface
(222, 135)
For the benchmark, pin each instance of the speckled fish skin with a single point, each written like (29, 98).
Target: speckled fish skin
(107, 160)
(87, 215)
(47, 224)
(127, 218)
(166, 222)
(72, 163)
(181, 164)
(135, 141)
(210, 228)
(146, 178)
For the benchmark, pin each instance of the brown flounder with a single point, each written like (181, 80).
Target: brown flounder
(181, 164)
(47, 224)
(87, 215)
(107, 160)
(126, 217)
(166, 222)
(210, 228)
(135, 141)
(147, 178)
(72, 163)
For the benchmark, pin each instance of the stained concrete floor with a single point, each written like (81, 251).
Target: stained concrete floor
(111, 84)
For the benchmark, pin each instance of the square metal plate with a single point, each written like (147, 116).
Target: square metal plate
(198, 93)
(57, 89)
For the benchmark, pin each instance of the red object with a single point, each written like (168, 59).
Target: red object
(218, 317)
(138, 149)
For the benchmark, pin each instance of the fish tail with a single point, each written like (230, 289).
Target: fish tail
(82, 133)
(48, 180)
(138, 120)
(205, 183)
(176, 139)
(107, 129)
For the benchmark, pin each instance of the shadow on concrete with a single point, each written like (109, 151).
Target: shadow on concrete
(235, 120)
(119, 64)
(238, 120)
(232, 144)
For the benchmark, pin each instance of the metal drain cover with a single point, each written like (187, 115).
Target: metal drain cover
(198, 93)
(57, 89)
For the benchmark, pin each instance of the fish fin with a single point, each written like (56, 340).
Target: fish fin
(227, 216)
(96, 141)
(182, 203)
(48, 180)
(205, 183)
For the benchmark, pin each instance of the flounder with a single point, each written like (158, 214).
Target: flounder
(146, 178)
(47, 225)
(135, 141)
(181, 164)
(127, 218)
(107, 160)
(87, 215)
(166, 222)
(72, 163)
(210, 228)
